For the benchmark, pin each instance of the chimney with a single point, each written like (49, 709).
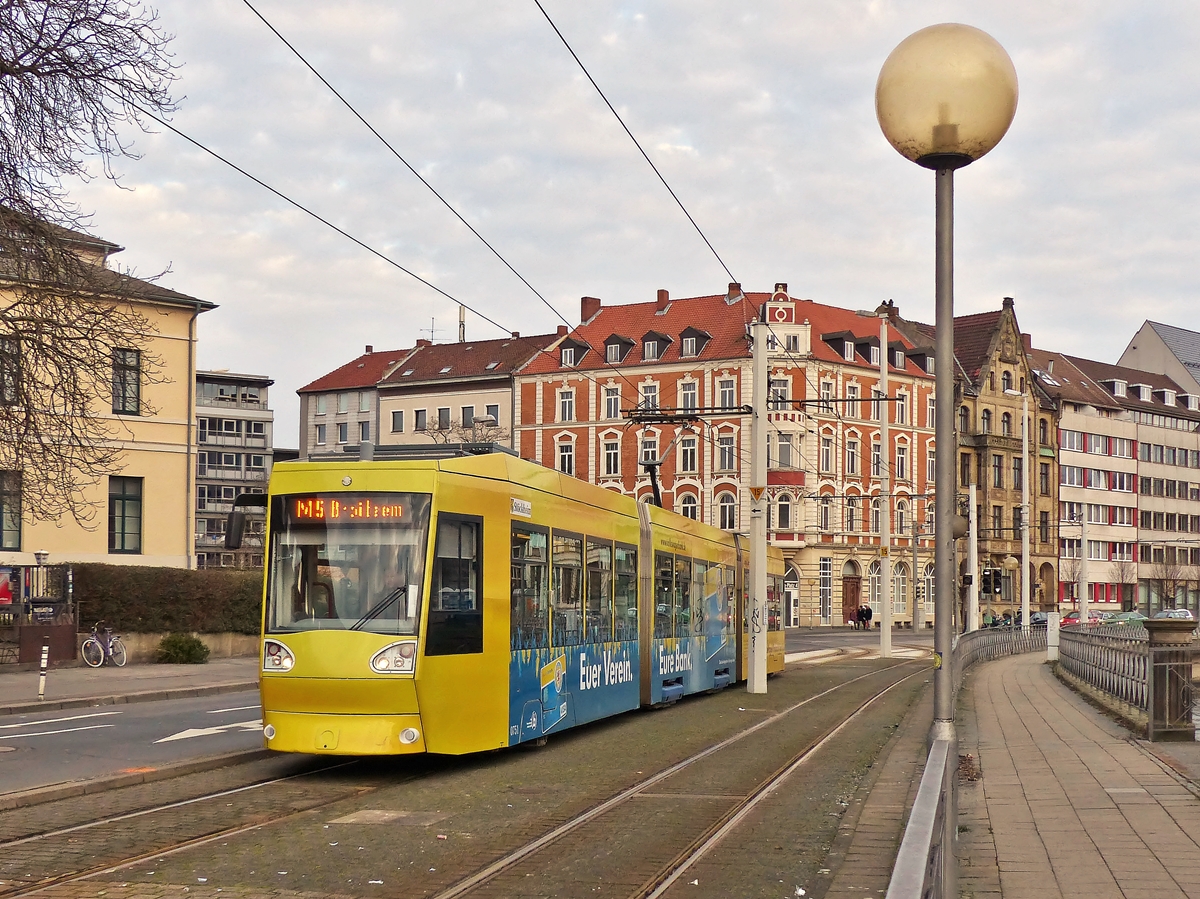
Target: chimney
(516, 333)
(1027, 339)
(562, 330)
(369, 350)
(1008, 303)
(421, 341)
(664, 300)
(588, 306)
(735, 290)
(781, 287)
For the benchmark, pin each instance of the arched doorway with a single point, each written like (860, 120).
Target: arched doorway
(1047, 588)
(791, 592)
(851, 590)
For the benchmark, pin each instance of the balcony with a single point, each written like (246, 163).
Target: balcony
(256, 441)
(231, 474)
(231, 402)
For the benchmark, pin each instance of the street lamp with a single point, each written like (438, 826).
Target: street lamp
(945, 97)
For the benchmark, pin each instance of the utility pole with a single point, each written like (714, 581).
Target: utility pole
(885, 495)
(973, 560)
(757, 681)
(1083, 567)
(1026, 473)
(918, 615)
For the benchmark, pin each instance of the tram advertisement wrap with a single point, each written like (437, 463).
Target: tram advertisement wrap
(555, 688)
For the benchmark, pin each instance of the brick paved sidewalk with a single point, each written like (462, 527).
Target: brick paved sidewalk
(1069, 804)
(73, 687)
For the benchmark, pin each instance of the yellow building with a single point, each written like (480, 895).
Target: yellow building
(140, 512)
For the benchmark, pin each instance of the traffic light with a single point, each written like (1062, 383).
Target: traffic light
(990, 582)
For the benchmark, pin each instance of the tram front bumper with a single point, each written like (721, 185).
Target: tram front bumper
(327, 734)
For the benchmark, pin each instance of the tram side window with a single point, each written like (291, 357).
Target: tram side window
(683, 596)
(728, 606)
(705, 589)
(566, 558)
(774, 603)
(598, 615)
(456, 609)
(530, 613)
(664, 595)
(625, 613)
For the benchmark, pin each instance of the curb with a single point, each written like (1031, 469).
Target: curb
(84, 702)
(72, 789)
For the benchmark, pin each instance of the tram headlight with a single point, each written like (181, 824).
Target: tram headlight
(409, 735)
(396, 658)
(277, 657)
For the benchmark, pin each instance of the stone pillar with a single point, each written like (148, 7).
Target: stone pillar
(1169, 674)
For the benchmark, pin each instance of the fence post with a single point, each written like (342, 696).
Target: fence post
(1052, 631)
(1170, 682)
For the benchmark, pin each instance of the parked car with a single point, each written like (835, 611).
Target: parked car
(1038, 619)
(1072, 617)
(1185, 614)
(1133, 619)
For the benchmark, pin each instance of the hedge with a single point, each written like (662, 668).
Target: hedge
(134, 599)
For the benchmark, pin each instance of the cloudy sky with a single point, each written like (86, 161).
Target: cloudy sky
(759, 114)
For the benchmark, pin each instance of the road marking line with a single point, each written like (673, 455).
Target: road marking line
(210, 731)
(47, 733)
(56, 720)
(240, 708)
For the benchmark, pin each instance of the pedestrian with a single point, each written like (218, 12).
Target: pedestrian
(852, 619)
(868, 614)
(862, 618)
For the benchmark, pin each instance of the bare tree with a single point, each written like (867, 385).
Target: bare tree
(1124, 571)
(72, 74)
(1168, 574)
(1068, 573)
(481, 430)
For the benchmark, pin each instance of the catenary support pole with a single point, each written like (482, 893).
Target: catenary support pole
(757, 680)
(885, 497)
(973, 559)
(1026, 474)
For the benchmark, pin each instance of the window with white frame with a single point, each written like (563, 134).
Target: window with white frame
(852, 513)
(726, 512)
(826, 396)
(784, 444)
(566, 405)
(848, 350)
(792, 341)
(688, 507)
(650, 350)
(726, 457)
(826, 454)
(343, 429)
(649, 449)
(612, 402)
(931, 412)
(825, 513)
(931, 467)
(568, 356)
(876, 516)
(321, 404)
(779, 393)
(876, 460)
(875, 579)
(364, 431)
(901, 517)
(901, 407)
(783, 510)
(688, 348)
(364, 402)
(1070, 440)
(612, 458)
(687, 396)
(874, 355)
(649, 396)
(320, 435)
(566, 458)
(1097, 551)
(901, 462)
(900, 589)
(852, 408)
(727, 389)
(687, 455)
(876, 404)
(851, 456)
(612, 352)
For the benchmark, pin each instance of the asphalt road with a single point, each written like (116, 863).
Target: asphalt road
(807, 640)
(46, 748)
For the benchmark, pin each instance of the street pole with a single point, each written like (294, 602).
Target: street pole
(973, 560)
(885, 498)
(918, 615)
(1027, 473)
(757, 680)
(1083, 568)
(947, 443)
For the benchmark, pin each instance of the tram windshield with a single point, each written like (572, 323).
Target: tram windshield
(347, 562)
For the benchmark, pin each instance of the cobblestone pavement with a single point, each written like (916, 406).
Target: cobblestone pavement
(1068, 803)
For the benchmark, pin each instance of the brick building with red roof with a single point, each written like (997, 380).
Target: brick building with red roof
(693, 356)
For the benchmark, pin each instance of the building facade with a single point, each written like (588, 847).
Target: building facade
(234, 438)
(143, 513)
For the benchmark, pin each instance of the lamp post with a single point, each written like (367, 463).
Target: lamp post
(945, 97)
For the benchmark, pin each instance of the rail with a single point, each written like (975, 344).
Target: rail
(924, 866)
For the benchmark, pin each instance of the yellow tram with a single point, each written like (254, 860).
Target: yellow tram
(469, 603)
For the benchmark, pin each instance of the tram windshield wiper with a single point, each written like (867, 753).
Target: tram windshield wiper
(379, 608)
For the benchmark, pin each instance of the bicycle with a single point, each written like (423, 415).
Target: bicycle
(102, 647)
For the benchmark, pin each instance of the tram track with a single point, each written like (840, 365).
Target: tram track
(83, 849)
(659, 881)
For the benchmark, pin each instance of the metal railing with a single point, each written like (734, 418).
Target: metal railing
(1113, 659)
(925, 864)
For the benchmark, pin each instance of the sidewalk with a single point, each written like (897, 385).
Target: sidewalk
(68, 688)
(1068, 803)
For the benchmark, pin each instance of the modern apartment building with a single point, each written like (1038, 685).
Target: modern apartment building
(234, 438)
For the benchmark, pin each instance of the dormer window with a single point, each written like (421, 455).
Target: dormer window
(1118, 387)
(688, 347)
(568, 356)
(874, 355)
(692, 341)
(616, 348)
(654, 345)
(1191, 401)
(612, 352)
(848, 350)
(898, 358)
(650, 350)
(1167, 396)
(1141, 391)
